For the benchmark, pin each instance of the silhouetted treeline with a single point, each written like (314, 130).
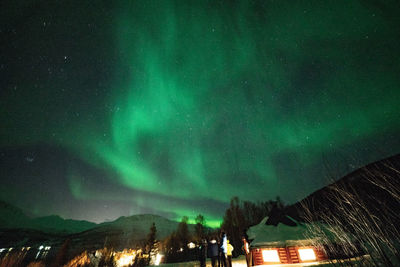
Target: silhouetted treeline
(237, 219)
(242, 214)
(176, 244)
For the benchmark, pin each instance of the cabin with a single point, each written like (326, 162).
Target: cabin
(290, 243)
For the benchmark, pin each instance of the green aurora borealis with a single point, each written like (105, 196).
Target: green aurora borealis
(188, 103)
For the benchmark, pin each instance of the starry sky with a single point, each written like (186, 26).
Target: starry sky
(111, 108)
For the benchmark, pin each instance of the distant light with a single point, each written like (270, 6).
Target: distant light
(307, 254)
(191, 245)
(270, 255)
(47, 248)
(98, 254)
(10, 249)
(125, 260)
(41, 247)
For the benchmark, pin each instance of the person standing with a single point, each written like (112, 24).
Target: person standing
(219, 252)
(223, 249)
(213, 252)
(246, 250)
(203, 253)
(229, 249)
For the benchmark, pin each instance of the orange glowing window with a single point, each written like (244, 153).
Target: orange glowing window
(307, 254)
(270, 255)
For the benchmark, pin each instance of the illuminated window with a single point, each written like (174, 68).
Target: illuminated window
(307, 254)
(270, 255)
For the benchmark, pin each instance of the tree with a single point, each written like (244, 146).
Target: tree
(183, 232)
(151, 237)
(176, 243)
(151, 243)
(171, 248)
(234, 224)
(242, 214)
(62, 254)
(199, 228)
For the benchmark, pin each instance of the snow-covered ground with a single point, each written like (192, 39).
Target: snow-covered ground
(238, 262)
(241, 262)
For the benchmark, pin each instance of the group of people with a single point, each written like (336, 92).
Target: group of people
(220, 251)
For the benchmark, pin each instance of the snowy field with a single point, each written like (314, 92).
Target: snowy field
(238, 262)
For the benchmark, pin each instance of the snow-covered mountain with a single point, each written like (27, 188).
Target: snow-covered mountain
(12, 217)
(18, 229)
(125, 232)
(139, 225)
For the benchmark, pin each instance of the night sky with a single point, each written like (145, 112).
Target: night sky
(111, 108)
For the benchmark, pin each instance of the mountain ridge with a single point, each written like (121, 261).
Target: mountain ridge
(125, 231)
(365, 183)
(12, 217)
